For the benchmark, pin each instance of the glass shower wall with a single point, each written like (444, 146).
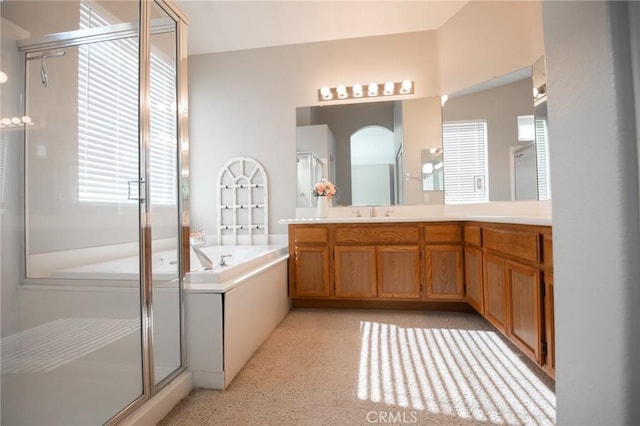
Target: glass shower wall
(98, 309)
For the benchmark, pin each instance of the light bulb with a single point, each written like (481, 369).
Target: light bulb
(325, 92)
(357, 90)
(3, 77)
(342, 91)
(6, 121)
(26, 119)
(373, 89)
(388, 88)
(406, 86)
(15, 120)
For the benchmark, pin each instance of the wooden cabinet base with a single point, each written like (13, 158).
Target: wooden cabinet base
(383, 304)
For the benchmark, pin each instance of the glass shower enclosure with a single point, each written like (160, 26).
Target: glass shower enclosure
(98, 316)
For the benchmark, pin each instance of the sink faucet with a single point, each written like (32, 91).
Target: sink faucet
(388, 213)
(222, 262)
(357, 212)
(372, 211)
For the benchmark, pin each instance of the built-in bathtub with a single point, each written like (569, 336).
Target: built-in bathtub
(231, 310)
(238, 259)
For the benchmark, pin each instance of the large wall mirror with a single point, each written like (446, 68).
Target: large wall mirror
(485, 143)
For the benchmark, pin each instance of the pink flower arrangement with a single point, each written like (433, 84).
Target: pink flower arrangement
(324, 188)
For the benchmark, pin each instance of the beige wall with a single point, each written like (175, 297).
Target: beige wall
(488, 39)
(244, 102)
(422, 129)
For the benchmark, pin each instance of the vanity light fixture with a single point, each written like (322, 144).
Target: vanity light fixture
(341, 92)
(15, 121)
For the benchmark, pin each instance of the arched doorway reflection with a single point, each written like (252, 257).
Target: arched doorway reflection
(372, 166)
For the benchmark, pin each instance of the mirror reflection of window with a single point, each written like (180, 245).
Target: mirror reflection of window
(542, 152)
(372, 166)
(465, 145)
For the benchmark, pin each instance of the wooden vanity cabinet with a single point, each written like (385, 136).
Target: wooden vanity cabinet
(494, 289)
(399, 272)
(310, 270)
(503, 271)
(377, 261)
(524, 302)
(355, 271)
(443, 262)
(473, 271)
(516, 270)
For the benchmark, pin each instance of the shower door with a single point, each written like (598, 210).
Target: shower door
(81, 239)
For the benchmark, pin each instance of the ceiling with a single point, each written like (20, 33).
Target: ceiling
(219, 26)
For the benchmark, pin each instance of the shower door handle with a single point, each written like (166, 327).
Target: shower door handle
(137, 190)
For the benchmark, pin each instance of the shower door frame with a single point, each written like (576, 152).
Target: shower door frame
(143, 31)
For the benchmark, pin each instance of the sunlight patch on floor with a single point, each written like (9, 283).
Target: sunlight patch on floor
(470, 374)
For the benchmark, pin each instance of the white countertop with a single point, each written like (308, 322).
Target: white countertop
(521, 220)
(518, 212)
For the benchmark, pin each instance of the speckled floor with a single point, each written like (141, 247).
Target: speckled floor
(362, 367)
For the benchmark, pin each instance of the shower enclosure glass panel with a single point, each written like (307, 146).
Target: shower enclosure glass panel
(83, 361)
(163, 195)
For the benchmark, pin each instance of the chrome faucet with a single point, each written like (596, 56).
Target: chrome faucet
(222, 262)
(357, 212)
(372, 211)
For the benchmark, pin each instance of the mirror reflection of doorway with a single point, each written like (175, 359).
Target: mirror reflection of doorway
(372, 166)
(525, 181)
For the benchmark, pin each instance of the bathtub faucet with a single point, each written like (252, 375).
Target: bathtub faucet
(222, 262)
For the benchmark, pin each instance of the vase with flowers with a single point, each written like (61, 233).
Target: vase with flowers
(323, 191)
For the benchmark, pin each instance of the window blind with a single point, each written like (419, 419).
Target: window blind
(108, 144)
(542, 157)
(465, 162)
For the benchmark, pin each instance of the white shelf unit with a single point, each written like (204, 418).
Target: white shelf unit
(243, 203)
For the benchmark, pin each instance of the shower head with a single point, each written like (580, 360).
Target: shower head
(43, 71)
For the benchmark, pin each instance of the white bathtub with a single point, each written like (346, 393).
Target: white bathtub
(231, 310)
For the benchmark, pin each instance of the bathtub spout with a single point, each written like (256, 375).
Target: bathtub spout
(206, 263)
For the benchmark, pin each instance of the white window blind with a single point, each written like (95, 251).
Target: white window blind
(465, 162)
(108, 144)
(542, 157)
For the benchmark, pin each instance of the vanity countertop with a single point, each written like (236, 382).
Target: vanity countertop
(520, 220)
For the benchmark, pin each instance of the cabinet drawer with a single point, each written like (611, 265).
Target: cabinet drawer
(443, 233)
(522, 244)
(311, 234)
(376, 234)
(473, 235)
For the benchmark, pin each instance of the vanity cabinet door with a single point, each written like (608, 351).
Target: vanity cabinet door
(398, 272)
(311, 272)
(444, 272)
(495, 296)
(473, 278)
(549, 325)
(525, 327)
(355, 271)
